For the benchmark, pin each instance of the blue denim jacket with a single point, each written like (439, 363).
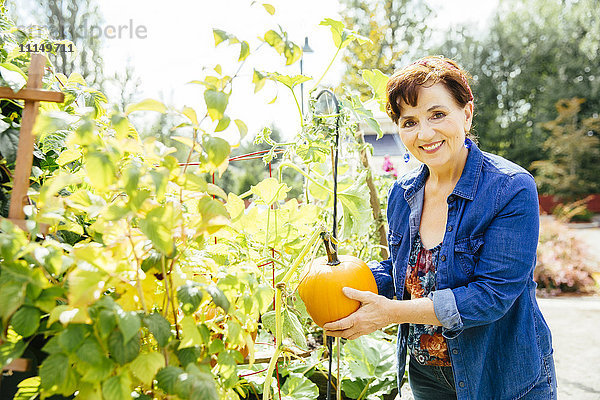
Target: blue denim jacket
(485, 293)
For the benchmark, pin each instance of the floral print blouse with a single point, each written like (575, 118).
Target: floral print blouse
(425, 342)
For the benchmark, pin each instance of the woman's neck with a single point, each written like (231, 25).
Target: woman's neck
(446, 178)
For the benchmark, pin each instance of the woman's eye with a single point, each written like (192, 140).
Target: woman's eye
(408, 123)
(438, 115)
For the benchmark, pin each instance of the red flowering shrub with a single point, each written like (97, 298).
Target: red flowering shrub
(564, 263)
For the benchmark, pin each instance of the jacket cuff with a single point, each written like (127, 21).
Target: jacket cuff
(446, 311)
(385, 285)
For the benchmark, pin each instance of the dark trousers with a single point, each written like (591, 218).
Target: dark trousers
(431, 382)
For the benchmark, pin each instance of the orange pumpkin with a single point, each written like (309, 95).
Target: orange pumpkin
(321, 286)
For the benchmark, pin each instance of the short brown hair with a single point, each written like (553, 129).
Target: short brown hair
(405, 83)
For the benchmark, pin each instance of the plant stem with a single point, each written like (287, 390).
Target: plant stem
(327, 69)
(278, 337)
(299, 109)
(364, 391)
(307, 247)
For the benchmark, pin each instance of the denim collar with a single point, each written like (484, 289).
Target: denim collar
(466, 185)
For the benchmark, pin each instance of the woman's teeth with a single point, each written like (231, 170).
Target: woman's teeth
(433, 146)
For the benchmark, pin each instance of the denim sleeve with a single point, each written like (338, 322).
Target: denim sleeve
(506, 261)
(382, 271)
(446, 311)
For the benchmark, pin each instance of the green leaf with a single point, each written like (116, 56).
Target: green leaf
(167, 378)
(259, 80)
(369, 357)
(13, 76)
(196, 385)
(91, 352)
(158, 227)
(28, 389)
(53, 372)
(26, 321)
(11, 351)
(377, 80)
(270, 9)
(299, 387)
(100, 170)
(117, 388)
(289, 80)
(97, 372)
(223, 123)
(268, 321)
(214, 214)
(190, 297)
(244, 51)
(218, 297)
(191, 114)
(106, 323)
(146, 105)
(241, 127)
(235, 206)
(269, 191)
(146, 365)
(342, 37)
(159, 327)
(220, 36)
(9, 143)
(73, 336)
(120, 351)
(217, 150)
(129, 323)
(293, 329)
(216, 103)
(190, 334)
(12, 296)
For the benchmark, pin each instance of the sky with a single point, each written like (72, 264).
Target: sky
(176, 43)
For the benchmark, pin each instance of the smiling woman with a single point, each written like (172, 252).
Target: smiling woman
(463, 232)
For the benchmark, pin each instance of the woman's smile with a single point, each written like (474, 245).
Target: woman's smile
(432, 147)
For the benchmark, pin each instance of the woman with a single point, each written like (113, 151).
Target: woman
(463, 232)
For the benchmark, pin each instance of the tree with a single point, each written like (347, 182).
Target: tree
(78, 22)
(573, 164)
(396, 29)
(536, 53)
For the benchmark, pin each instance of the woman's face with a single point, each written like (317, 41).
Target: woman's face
(434, 130)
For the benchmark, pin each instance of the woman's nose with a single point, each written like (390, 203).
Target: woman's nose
(426, 131)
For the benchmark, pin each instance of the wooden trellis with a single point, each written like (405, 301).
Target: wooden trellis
(32, 94)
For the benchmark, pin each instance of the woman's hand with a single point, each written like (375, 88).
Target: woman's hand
(373, 314)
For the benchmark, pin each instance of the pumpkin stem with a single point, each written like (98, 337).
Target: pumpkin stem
(332, 256)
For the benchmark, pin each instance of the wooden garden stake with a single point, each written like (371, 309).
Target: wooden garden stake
(32, 94)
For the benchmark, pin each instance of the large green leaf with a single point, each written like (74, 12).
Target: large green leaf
(167, 378)
(377, 80)
(100, 170)
(216, 103)
(289, 80)
(342, 37)
(190, 297)
(146, 105)
(13, 76)
(9, 144)
(218, 297)
(73, 336)
(299, 387)
(269, 191)
(10, 351)
(129, 323)
(158, 227)
(121, 351)
(117, 388)
(217, 151)
(190, 334)
(53, 372)
(12, 296)
(146, 365)
(159, 327)
(293, 328)
(26, 321)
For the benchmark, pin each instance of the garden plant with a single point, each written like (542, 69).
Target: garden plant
(150, 280)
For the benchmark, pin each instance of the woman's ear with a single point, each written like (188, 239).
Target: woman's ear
(469, 107)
